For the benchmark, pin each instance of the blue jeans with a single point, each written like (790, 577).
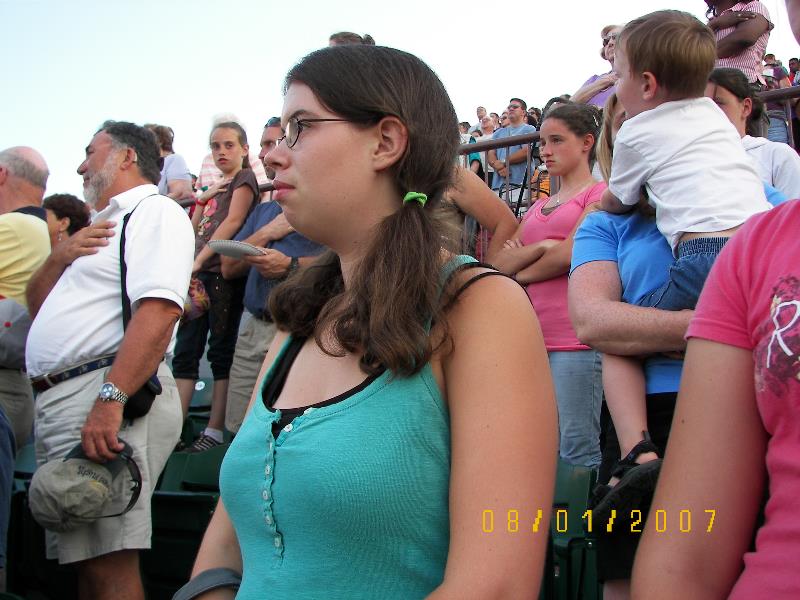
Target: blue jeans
(7, 455)
(687, 275)
(578, 381)
(778, 130)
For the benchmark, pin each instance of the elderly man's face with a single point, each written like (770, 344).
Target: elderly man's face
(99, 168)
(481, 112)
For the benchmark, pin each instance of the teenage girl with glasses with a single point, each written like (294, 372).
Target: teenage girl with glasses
(391, 422)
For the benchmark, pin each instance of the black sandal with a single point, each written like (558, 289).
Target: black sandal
(635, 486)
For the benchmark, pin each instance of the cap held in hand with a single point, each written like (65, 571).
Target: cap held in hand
(67, 493)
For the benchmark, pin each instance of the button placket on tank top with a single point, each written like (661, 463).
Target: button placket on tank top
(269, 468)
(266, 488)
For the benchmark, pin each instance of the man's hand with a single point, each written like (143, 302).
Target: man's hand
(502, 171)
(730, 19)
(220, 186)
(86, 241)
(276, 229)
(273, 264)
(99, 432)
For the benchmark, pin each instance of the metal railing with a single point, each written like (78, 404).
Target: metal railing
(784, 96)
(471, 229)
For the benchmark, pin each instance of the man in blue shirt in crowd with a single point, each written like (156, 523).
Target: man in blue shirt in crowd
(517, 154)
(286, 250)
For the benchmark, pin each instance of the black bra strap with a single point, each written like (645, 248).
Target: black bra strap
(471, 280)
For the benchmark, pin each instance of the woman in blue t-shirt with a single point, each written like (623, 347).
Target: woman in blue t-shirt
(615, 260)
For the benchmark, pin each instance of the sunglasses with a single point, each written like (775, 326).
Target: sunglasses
(513, 106)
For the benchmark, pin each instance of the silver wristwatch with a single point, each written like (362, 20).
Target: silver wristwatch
(111, 393)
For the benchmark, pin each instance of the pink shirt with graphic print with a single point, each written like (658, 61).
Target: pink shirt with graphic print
(751, 300)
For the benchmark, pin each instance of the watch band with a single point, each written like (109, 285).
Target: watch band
(111, 393)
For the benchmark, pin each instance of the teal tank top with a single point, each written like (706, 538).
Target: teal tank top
(351, 499)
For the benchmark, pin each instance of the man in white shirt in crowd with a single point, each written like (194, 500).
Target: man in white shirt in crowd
(85, 366)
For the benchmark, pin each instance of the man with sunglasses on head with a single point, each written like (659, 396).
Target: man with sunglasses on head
(512, 177)
(284, 252)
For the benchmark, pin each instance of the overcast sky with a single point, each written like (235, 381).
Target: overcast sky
(68, 66)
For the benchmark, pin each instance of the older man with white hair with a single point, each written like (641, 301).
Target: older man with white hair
(24, 245)
(86, 364)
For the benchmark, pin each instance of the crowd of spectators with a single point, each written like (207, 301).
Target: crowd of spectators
(647, 208)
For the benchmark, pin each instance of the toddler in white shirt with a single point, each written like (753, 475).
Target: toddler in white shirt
(679, 147)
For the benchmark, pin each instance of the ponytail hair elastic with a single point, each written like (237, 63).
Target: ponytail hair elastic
(419, 197)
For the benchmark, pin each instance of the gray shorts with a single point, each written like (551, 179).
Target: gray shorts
(60, 413)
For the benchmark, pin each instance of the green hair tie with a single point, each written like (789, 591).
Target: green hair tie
(411, 196)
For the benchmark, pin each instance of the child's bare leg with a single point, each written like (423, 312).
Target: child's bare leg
(624, 385)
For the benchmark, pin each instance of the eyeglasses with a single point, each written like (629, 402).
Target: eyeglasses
(608, 38)
(513, 106)
(295, 126)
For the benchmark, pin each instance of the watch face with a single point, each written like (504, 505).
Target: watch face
(107, 390)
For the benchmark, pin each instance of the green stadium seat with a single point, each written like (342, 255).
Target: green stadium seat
(574, 559)
(182, 507)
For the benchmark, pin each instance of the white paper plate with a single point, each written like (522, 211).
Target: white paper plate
(234, 249)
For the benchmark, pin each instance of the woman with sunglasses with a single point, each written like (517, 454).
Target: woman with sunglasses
(392, 422)
(598, 88)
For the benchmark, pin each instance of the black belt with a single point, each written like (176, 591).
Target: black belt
(48, 380)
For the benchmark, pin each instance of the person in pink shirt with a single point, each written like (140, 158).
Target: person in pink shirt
(742, 32)
(736, 434)
(539, 258)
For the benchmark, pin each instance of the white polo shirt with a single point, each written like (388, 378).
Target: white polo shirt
(81, 318)
(693, 164)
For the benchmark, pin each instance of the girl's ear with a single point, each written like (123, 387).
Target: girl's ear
(588, 142)
(391, 136)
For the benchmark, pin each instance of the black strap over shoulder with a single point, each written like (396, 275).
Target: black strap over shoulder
(471, 280)
(123, 274)
(123, 269)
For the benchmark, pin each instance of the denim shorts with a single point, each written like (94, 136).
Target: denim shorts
(687, 275)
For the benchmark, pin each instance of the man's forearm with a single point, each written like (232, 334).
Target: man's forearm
(146, 339)
(625, 329)
(41, 283)
(518, 156)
